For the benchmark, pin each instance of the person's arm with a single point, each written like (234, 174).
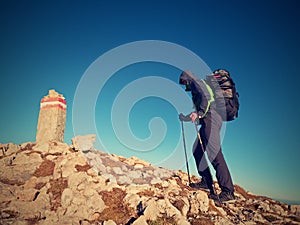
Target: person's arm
(201, 97)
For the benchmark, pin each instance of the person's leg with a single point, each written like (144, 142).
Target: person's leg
(222, 173)
(214, 150)
(202, 165)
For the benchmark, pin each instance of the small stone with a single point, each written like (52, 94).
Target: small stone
(151, 212)
(295, 209)
(132, 199)
(155, 181)
(140, 221)
(43, 147)
(277, 209)
(117, 170)
(124, 168)
(66, 197)
(221, 210)
(182, 222)
(109, 222)
(75, 179)
(138, 166)
(124, 180)
(110, 177)
(26, 195)
(134, 174)
(165, 184)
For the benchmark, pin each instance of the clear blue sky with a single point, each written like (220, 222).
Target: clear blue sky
(51, 44)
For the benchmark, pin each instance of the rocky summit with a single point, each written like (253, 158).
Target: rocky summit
(56, 183)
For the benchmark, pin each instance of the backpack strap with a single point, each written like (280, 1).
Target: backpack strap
(212, 99)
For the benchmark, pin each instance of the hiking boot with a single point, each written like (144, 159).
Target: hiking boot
(213, 196)
(202, 185)
(223, 197)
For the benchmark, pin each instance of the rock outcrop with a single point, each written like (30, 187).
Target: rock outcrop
(53, 183)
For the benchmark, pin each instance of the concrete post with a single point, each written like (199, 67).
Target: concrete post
(52, 118)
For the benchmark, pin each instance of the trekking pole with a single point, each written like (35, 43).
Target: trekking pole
(202, 147)
(186, 158)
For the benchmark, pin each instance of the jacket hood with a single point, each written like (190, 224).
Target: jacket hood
(186, 77)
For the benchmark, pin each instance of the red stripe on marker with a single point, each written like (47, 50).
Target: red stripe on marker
(53, 106)
(53, 100)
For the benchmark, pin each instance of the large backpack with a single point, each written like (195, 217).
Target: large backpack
(225, 94)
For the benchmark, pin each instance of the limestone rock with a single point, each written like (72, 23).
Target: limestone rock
(84, 143)
(109, 222)
(48, 183)
(151, 211)
(295, 209)
(140, 221)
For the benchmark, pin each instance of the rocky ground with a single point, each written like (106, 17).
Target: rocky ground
(54, 183)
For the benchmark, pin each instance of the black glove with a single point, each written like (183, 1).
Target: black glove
(184, 118)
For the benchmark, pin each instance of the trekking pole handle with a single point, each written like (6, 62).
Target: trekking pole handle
(184, 118)
(187, 118)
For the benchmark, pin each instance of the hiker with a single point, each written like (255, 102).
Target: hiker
(206, 114)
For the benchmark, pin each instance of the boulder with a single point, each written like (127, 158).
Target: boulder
(84, 143)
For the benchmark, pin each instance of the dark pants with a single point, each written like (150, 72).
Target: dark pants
(210, 136)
